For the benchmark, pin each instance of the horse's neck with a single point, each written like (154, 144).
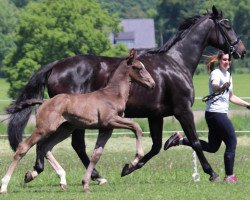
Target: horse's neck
(188, 51)
(119, 84)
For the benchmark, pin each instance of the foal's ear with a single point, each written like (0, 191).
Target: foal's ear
(132, 56)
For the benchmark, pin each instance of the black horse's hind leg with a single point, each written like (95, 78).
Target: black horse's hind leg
(155, 127)
(186, 120)
(78, 143)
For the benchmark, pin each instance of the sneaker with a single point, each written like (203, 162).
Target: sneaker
(215, 178)
(173, 141)
(231, 179)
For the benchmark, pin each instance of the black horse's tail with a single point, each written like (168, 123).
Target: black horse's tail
(33, 90)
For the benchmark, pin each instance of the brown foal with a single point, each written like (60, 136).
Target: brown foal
(102, 109)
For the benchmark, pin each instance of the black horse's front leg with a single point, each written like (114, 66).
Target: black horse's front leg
(186, 120)
(155, 127)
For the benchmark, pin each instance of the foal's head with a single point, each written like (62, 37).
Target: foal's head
(138, 72)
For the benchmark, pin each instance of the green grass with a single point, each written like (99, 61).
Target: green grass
(4, 87)
(166, 176)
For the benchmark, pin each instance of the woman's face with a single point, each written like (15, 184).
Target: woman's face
(225, 62)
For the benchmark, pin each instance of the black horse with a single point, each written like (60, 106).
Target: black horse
(172, 66)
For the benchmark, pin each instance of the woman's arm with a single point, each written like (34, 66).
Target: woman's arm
(238, 101)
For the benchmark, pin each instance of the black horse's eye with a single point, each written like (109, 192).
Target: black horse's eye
(226, 23)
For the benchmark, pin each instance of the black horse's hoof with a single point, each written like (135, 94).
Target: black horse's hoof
(28, 177)
(214, 177)
(140, 165)
(127, 170)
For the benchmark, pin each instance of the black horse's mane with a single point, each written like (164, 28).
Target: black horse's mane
(181, 32)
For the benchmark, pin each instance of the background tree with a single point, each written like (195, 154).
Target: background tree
(21, 3)
(128, 9)
(240, 23)
(170, 14)
(8, 21)
(52, 30)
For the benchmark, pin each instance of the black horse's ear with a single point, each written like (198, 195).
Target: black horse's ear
(215, 12)
(221, 14)
(132, 56)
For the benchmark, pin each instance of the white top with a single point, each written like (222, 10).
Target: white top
(221, 102)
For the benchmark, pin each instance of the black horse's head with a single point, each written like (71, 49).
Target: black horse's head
(224, 37)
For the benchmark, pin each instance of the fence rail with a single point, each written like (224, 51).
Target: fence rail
(197, 98)
(130, 133)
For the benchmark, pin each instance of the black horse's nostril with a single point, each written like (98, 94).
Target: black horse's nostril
(243, 54)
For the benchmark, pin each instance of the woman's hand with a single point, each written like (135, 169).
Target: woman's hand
(225, 86)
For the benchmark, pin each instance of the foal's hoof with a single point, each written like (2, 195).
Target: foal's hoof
(101, 181)
(127, 170)
(4, 192)
(28, 177)
(86, 189)
(214, 177)
(63, 186)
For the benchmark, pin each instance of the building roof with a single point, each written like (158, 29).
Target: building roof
(140, 31)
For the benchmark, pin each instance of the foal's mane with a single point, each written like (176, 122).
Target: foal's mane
(181, 33)
(113, 70)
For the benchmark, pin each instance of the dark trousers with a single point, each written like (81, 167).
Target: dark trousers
(220, 129)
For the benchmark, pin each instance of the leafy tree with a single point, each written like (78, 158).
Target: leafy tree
(170, 15)
(51, 30)
(21, 3)
(242, 26)
(127, 9)
(119, 50)
(8, 21)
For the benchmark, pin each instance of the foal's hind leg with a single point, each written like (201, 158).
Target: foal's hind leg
(22, 149)
(102, 139)
(78, 143)
(44, 150)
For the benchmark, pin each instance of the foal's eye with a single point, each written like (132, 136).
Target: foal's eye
(136, 68)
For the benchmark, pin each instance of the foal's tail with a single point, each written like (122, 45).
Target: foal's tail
(33, 90)
(14, 108)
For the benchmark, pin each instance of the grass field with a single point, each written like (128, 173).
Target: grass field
(4, 87)
(166, 176)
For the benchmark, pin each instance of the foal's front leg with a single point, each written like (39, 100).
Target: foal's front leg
(102, 139)
(78, 143)
(120, 122)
